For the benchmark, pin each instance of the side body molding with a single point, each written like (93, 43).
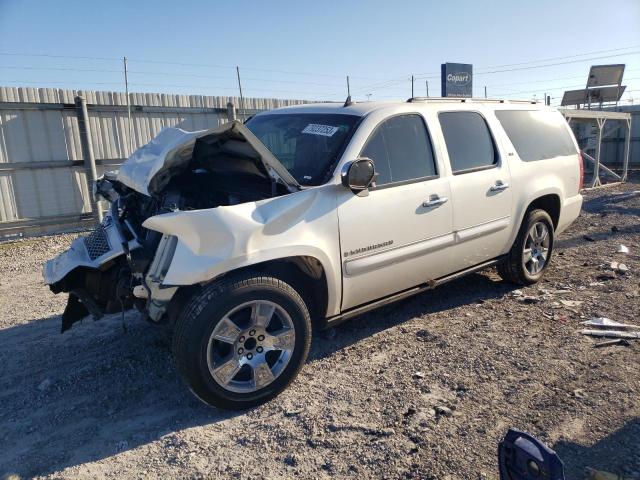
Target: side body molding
(380, 259)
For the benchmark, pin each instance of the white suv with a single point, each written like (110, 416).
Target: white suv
(242, 236)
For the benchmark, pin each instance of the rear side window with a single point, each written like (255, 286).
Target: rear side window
(401, 150)
(468, 140)
(537, 135)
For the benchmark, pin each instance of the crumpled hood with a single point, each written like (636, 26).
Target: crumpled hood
(149, 169)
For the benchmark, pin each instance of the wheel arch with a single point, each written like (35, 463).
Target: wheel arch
(305, 274)
(548, 200)
(550, 203)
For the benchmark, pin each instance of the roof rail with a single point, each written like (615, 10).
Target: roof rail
(531, 102)
(438, 99)
(463, 100)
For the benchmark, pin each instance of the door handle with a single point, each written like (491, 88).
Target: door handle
(434, 201)
(499, 186)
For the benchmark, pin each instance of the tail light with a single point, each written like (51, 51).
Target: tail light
(581, 163)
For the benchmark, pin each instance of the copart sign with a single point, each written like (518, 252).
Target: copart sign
(457, 79)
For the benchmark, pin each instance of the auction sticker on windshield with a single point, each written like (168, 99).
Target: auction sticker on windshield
(316, 129)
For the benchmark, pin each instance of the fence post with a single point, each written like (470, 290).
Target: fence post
(596, 167)
(231, 111)
(87, 153)
(627, 148)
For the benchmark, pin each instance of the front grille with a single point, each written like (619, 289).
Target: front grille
(97, 243)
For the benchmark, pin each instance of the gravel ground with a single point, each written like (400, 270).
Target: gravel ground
(421, 389)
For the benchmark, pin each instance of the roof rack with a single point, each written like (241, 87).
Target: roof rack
(464, 100)
(438, 99)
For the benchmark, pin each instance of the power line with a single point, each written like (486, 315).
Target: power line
(380, 84)
(266, 80)
(560, 63)
(391, 83)
(551, 88)
(311, 74)
(550, 79)
(205, 86)
(39, 82)
(62, 69)
(290, 72)
(286, 72)
(537, 89)
(547, 60)
(218, 87)
(56, 82)
(524, 68)
(230, 77)
(564, 57)
(183, 64)
(15, 54)
(171, 74)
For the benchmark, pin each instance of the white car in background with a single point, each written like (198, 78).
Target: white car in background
(242, 236)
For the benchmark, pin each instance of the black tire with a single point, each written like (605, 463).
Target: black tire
(512, 269)
(206, 309)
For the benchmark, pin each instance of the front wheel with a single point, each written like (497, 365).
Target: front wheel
(530, 254)
(241, 341)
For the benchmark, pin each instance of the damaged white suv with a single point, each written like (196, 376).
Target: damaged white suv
(241, 237)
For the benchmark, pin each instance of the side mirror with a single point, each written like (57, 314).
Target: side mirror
(358, 175)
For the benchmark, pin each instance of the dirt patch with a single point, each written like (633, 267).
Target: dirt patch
(421, 389)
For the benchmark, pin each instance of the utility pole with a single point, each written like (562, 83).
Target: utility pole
(411, 86)
(427, 84)
(241, 97)
(126, 91)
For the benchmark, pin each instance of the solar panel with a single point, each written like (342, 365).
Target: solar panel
(606, 94)
(574, 97)
(603, 85)
(603, 75)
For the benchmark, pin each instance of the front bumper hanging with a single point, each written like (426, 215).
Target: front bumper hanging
(101, 246)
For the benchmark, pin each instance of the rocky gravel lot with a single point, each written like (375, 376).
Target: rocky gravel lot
(421, 389)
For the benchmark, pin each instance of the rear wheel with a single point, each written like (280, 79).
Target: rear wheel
(241, 341)
(530, 254)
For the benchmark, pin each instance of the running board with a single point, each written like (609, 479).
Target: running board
(337, 319)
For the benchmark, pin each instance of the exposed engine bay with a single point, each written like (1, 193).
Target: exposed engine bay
(120, 264)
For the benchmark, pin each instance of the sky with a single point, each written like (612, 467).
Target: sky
(305, 50)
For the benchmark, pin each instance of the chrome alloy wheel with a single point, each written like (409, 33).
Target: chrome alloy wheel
(251, 346)
(536, 248)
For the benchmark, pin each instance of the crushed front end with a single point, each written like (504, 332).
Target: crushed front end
(122, 264)
(106, 271)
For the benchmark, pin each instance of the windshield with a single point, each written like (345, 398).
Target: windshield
(308, 145)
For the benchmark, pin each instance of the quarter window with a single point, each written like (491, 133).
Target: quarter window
(468, 140)
(537, 134)
(401, 150)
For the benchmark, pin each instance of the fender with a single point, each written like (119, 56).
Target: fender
(529, 188)
(215, 241)
(521, 205)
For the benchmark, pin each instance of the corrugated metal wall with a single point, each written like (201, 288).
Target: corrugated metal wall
(39, 140)
(613, 146)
